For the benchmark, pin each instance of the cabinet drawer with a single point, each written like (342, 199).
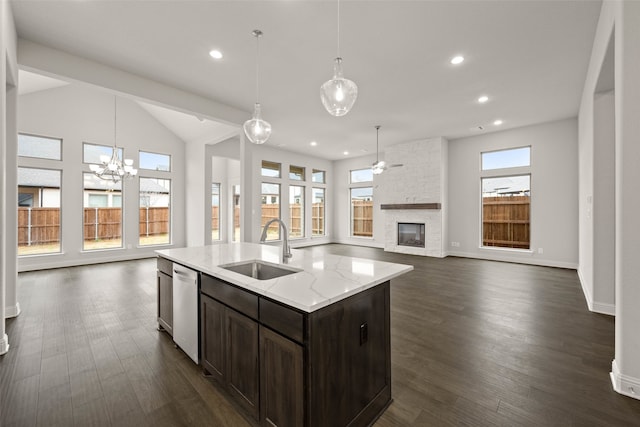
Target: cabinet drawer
(288, 322)
(165, 266)
(243, 301)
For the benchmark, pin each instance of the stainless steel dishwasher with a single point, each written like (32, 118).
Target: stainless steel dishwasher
(185, 310)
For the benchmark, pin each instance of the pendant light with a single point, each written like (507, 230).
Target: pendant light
(256, 129)
(378, 167)
(338, 94)
(111, 168)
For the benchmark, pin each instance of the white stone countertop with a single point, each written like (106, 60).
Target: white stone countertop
(324, 278)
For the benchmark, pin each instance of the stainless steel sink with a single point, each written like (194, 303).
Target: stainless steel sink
(260, 270)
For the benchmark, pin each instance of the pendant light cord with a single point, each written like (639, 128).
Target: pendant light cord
(338, 56)
(115, 123)
(257, 34)
(377, 148)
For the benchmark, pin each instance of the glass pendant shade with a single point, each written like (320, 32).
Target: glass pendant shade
(378, 167)
(338, 94)
(256, 129)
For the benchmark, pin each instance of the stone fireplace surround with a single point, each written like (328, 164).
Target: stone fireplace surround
(432, 220)
(415, 192)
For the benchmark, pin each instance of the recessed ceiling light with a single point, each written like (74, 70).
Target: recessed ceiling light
(346, 153)
(483, 99)
(215, 54)
(313, 143)
(457, 60)
(497, 122)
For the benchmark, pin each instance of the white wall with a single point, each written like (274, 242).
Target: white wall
(8, 172)
(77, 114)
(554, 189)
(225, 170)
(603, 205)
(623, 19)
(286, 158)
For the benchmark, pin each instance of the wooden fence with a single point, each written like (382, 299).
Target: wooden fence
(362, 217)
(296, 224)
(506, 221)
(38, 226)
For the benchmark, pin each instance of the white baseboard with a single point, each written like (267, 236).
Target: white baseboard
(602, 308)
(357, 242)
(624, 384)
(585, 291)
(4, 344)
(12, 311)
(594, 306)
(514, 259)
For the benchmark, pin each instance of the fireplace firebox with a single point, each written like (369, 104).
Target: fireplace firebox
(411, 234)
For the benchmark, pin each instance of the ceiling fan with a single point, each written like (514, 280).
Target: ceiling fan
(379, 166)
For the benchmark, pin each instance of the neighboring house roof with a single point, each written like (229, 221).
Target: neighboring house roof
(45, 178)
(49, 178)
(506, 185)
(270, 189)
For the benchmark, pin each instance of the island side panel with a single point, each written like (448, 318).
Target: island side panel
(350, 360)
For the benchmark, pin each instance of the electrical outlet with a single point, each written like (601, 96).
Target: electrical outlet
(540, 250)
(455, 244)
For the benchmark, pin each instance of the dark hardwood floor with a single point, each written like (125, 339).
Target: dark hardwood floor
(474, 343)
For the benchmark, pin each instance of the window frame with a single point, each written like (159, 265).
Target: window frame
(84, 248)
(506, 172)
(169, 207)
(60, 147)
(157, 154)
(60, 208)
(303, 189)
(324, 211)
(269, 162)
(219, 211)
(84, 162)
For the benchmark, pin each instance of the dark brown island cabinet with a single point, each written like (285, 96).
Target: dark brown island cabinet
(287, 367)
(165, 295)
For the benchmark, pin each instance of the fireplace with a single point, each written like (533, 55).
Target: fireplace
(411, 234)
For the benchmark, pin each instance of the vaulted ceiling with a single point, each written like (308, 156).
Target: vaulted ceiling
(529, 58)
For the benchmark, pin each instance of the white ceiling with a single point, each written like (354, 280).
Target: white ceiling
(529, 57)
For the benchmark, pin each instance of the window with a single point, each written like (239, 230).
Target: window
(155, 212)
(511, 158)
(317, 212)
(362, 211)
(270, 169)
(506, 207)
(102, 225)
(271, 209)
(215, 211)
(296, 211)
(154, 161)
(38, 211)
(236, 214)
(40, 147)
(94, 153)
(317, 176)
(296, 173)
(361, 175)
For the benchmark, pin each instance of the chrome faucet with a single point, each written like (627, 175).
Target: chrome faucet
(286, 250)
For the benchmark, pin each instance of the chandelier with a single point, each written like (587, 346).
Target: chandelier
(112, 168)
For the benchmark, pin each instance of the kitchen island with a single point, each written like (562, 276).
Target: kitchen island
(310, 348)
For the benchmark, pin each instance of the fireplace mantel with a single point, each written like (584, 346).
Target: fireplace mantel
(411, 206)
